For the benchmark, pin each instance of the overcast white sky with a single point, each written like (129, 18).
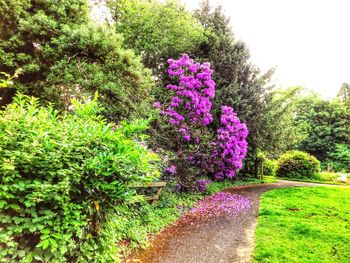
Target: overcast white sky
(307, 41)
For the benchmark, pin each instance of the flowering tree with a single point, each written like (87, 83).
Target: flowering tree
(230, 146)
(199, 151)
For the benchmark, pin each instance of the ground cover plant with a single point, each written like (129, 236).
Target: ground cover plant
(304, 225)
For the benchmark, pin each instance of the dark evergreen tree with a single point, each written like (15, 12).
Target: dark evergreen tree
(64, 55)
(239, 83)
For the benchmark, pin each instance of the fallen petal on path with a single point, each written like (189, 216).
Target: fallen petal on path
(221, 203)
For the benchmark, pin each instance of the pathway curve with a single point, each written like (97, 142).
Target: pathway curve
(225, 238)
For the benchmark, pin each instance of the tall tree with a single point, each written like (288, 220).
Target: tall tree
(279, 130)
(156, 30)
(64, 55)
(344, 94)
(324, 124)
(239, 83)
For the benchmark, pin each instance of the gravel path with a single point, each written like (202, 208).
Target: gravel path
(224, 238)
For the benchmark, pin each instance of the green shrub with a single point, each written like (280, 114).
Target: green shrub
(270, 167)
(297, 164)
(63, 179)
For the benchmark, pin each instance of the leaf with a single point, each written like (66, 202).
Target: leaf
(14, 206)
(28, 258)
(8, 166)
(32, 229)
(17, 220)
(2, 203)
(21, 253)
(45, 231)
(53, 244)
(44, 244)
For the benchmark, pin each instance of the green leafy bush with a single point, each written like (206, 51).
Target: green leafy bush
(339, 159)
(297, 164)
(270, 167)
(63, 179)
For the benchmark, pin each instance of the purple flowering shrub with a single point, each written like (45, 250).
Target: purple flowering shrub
(230, 146)
(190, 105)
(185, 117)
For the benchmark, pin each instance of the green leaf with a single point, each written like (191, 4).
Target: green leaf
(44, 244)
(2, 203)
(14, 206)
(8, 166)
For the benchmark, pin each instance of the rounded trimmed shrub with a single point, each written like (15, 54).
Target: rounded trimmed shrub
(297, 164)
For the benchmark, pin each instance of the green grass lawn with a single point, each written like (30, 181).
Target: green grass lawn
(304, 225)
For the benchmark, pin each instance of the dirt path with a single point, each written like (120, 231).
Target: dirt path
(225, 238)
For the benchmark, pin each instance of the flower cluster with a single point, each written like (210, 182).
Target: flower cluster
(192, 94)
(187, 115)
(201, 185)
(230, 145)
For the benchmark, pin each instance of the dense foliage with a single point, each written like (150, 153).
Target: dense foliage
(156, 30)
(324, 124)
(269, 167)
(63, 178)
(296, 164)
(344, 94)
(63, 55)
(279, 130)
(339, 159)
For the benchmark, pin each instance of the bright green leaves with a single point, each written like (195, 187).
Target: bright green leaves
(54, 170)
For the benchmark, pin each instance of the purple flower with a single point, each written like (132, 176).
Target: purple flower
(157, 105)
(187, 138)
(171, 170)
(231, 145)
(194, 90)
(201, 185)
(188, 113)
